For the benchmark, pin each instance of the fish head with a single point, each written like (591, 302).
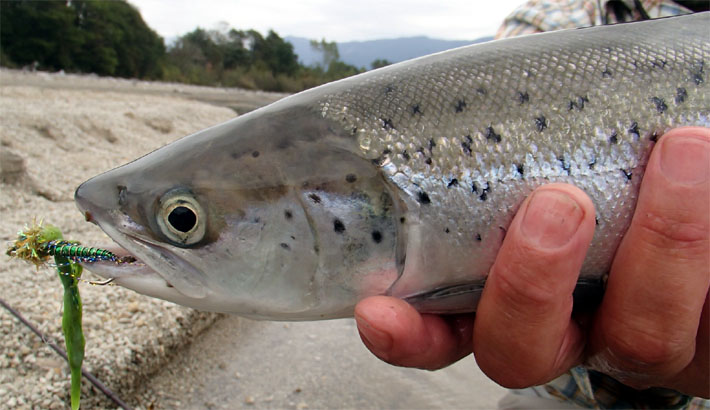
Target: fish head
(272, 215)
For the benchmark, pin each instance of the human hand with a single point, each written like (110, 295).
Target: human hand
(652, 327)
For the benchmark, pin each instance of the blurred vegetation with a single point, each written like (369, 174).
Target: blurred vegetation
(106, 38)
(111, 38)
(379, 63)
(236, 58)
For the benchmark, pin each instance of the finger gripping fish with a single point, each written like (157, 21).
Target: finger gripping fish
(402, 180)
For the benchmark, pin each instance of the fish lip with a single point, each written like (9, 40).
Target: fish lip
(119, 269)
(155, 263)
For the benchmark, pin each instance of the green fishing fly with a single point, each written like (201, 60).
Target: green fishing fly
(78, 253)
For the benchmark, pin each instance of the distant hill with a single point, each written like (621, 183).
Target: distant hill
(363, 53)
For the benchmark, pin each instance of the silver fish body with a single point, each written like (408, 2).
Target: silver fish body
(402, 180)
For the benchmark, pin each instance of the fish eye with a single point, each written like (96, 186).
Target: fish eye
(181, 218)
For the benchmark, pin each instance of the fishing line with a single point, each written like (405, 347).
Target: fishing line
(96, 382)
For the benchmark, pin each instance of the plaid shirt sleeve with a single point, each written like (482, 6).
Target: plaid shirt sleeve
(536, 16)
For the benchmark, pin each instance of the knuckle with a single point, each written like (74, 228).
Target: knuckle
(530, 281)
(670, 230)
(644, 350)
(523, 288)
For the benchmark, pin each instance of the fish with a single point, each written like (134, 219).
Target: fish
(402, 181)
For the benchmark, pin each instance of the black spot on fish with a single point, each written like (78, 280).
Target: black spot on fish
(466, 146)
(680, 95)
(564, 164)
(491, 135)
(432, 144)
(447, 230)
(478, 237)
(460, 105)
(696, 72)
(627, 174)
(316, 249)
(351, 178)
(387, 123)
(354, 130)
(377, 236)
(654, 136)
(484, 192)
(660, 64)
(592, 162)
(288, 214)
(416, 109)
(661, 106)
(523, 97)
(540, 123)
(315, 198)
(452, 183)
(402, 220)
(606, 73)
(578, 104)
(474, 188)
(255, 154)
(405, 155)
(284, 143)
(634, 129)
(428, 161)
(293, 237)
(423, 198)
(596, 221)
(481, 91)
(613, 139)
(338, 226)
(285, 246)
(379, 161)
(520, 169)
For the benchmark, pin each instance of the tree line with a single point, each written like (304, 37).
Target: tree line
(111, 39)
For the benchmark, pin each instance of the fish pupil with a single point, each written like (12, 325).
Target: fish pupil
(182, 219)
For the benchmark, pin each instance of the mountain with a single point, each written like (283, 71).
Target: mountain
(363, 53)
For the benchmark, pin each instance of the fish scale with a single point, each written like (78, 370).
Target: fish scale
(402, 180)
(619, 72)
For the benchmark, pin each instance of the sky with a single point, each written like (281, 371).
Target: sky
(334, 20)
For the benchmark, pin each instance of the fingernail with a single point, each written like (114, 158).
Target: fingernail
(378, 341)
(551, 219)
(686, 160)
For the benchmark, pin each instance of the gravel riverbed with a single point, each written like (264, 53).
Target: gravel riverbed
(56, 131)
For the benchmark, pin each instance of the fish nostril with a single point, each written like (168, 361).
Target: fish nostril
(121, 195)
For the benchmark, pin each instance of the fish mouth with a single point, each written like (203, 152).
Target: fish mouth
(127, 271)
(148, 268)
